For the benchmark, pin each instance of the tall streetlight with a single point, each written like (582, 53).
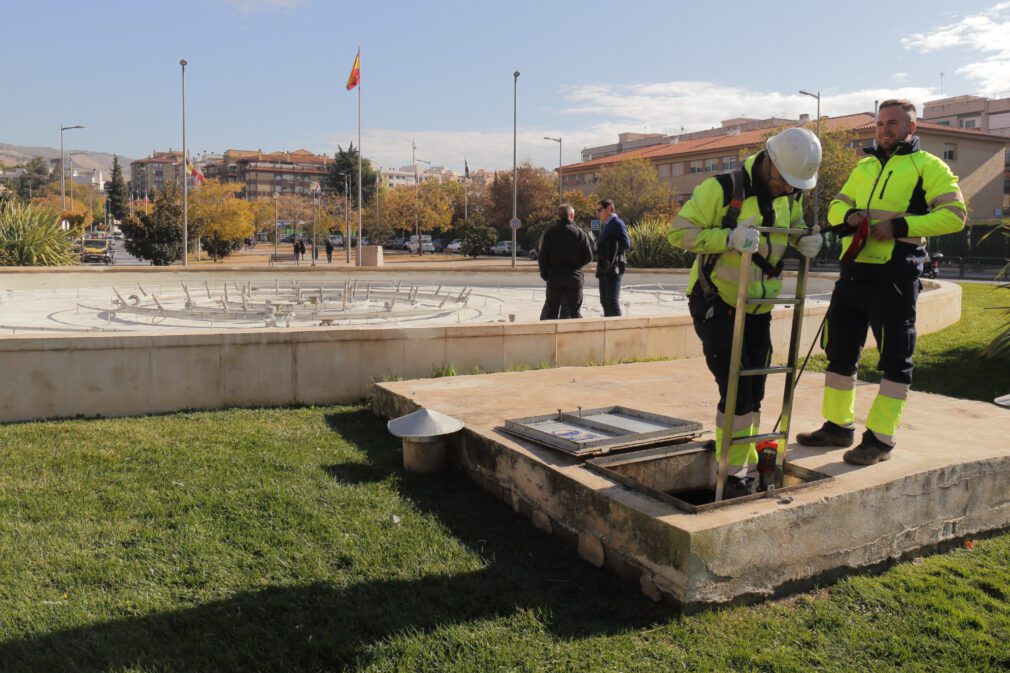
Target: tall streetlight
(515, 172)
(561, 197)
(72, 155)
(276, 225)
(315, 221)
(63, 187)
(417, 208)
(817, 188)
(185, 179)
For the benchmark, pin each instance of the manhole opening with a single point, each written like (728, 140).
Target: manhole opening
(684, 476)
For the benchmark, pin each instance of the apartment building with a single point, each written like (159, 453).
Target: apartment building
(975, 156)
(150, 175)
(267, 173)
(408, 176)
(975, 112)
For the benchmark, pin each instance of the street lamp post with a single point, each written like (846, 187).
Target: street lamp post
(72, 155)
(276, 226)
(63, 187)
(315, 222)
(561, 197)
(185, 180)
(417, 209)
(817, 188)
(515, 172)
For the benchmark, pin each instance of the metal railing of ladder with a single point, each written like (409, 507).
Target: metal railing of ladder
(735, 371)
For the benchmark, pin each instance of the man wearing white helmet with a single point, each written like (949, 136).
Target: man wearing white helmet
(717, 224)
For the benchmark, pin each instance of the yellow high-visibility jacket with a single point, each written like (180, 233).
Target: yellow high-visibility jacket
(912, 188)
(698, 228)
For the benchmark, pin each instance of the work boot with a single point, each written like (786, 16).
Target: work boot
(869, 452)
(829, 434)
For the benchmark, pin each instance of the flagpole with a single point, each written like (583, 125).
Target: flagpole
(359, 156)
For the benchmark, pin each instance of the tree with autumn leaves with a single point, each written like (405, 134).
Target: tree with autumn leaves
(221, 220)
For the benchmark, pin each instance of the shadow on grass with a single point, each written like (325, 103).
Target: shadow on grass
(324, 627)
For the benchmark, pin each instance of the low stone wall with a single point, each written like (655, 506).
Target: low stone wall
(123, 375)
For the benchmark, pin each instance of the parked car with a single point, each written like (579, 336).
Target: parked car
(504, 248)
(337, 240)
(395, 243)
(426, 245)
(534, 254)
(438, 244)
(97, 251)
(454, 246)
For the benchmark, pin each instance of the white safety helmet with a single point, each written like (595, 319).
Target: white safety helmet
(796, 153)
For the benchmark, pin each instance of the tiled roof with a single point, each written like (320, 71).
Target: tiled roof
(863, 121)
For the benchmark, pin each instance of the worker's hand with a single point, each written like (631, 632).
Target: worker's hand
(855, 218)
(810, 245)
(744, 238)
(882, 231)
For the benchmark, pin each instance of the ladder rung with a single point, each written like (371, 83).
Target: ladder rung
(784, 369)
(754, 439)
(777, 300)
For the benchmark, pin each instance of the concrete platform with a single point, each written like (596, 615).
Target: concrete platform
(948, 479)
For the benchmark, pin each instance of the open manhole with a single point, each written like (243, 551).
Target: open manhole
(594, 432)
(684, 476)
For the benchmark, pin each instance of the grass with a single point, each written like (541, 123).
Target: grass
(291, 540)
(948, 362)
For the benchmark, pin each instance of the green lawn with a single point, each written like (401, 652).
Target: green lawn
(291, 540)
(947, 362)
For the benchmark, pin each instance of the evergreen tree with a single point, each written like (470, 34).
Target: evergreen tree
(118, 193)
(346, 161)
(157, 237)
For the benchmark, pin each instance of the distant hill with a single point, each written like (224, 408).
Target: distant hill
(12, 155)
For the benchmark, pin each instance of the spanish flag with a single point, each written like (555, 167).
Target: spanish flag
(355, 77)
(196, 173)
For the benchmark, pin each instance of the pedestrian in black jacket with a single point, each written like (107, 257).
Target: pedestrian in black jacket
(611, 257)
(565, 249)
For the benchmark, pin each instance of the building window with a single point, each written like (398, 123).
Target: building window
(664, 170)
(695, 167)
(949, 152)
(968, 123)
(729, 162)
(711, 165)
(677, 169)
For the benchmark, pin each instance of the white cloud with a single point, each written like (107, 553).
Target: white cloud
(660, 107)
(255, 6)
(986, 34)
(667, 106)
(899, 76)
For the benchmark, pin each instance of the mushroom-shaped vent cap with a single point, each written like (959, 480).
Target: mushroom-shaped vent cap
(423, 424)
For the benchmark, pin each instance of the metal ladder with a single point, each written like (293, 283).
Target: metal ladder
(735, 371)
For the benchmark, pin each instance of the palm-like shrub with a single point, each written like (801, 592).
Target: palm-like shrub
(651, 247)
(32, 236)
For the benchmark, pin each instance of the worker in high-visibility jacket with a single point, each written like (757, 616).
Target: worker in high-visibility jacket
(894, 198)
(717, 223)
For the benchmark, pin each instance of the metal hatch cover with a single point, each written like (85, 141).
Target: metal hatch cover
(598, 431)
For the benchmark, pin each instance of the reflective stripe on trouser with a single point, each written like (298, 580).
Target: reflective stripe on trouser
(886, 410)
(839, 405)
(740, 455)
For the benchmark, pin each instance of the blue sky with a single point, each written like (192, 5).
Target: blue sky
(270, 74)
